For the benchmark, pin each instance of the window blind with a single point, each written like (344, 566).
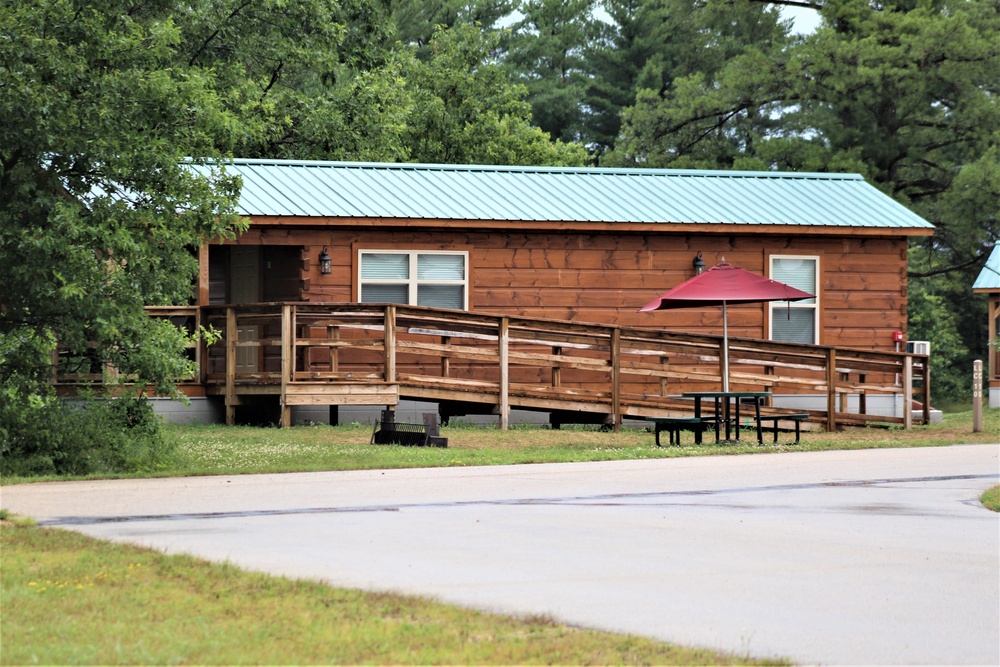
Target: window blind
(385, 266)
(424, 278)
(375, 293)
(441, 267)
(797, 272)
(795, 325)
(441, 296)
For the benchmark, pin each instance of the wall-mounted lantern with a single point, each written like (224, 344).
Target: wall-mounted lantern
(699, 264)
(325, 263)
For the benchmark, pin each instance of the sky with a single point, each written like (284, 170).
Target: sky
(804, 20)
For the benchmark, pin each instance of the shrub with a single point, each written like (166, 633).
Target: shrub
(48, 436)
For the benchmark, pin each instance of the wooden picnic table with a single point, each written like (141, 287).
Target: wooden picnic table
(724, 414)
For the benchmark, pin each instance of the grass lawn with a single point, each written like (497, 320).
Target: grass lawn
(224, 450)
(233, 450)
(68, 599)
(991, 499)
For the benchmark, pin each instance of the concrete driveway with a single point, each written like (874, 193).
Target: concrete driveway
(863, 557)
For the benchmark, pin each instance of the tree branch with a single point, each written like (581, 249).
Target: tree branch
(275, 75)
(791, 3)
(948, 269)
(204, 45)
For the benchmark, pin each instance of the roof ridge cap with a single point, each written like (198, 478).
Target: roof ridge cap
(529, 169)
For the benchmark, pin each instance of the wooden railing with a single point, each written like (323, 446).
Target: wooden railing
(364, 353)
(88, 368)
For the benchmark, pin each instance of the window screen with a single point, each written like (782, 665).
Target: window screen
(796, 321)
(433, 279)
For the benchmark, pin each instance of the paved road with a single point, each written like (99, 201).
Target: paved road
(868, 557)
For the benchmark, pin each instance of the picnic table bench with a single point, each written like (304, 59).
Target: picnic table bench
(674, 425)
(798, 418)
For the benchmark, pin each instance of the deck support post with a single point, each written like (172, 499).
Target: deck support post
(831, 390)
(201, 349)
(389, 342)
(287, 361)
(203, 281)
(503, 400)
(616, 379)
(231, 400)
(445, 360)
(333, 333)
(926, 373)
(907, 391)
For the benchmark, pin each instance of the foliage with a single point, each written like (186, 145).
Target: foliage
(903, 93)
(98, 210)
(548, 52)
(708, 101)
(416, 21)
(651, 47)
(468, 111)
(637, 31)
(307, 79)
(935, 322)
(53, 437)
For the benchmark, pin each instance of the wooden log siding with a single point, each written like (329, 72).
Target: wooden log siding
(605, 277)
(388, 352)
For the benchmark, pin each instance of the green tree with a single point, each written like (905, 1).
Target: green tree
(933, 319)
(644, 45)
(904, 93)
(923, 124)
(309, 79)
(416, 21)
(547, 51)
(467, 110)
(98, 210)
(710, 101)
(102, 107)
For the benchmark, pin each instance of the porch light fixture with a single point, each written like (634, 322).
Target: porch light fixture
(325, 263)
(699, 264)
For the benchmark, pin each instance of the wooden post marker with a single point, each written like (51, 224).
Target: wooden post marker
(977, 396)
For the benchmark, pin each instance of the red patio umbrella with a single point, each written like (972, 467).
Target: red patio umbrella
(723, 284)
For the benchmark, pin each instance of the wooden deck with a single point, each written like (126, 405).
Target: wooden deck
(363, 354)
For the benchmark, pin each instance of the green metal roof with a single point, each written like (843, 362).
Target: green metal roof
(464, 192)
(989, 277)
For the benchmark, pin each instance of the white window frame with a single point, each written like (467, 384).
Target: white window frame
(413, 282)
(777, 308)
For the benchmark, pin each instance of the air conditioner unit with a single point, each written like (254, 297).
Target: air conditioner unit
(918, 346)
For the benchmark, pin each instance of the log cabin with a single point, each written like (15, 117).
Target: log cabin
(581, 246)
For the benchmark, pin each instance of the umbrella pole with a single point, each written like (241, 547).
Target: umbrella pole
(725, 349)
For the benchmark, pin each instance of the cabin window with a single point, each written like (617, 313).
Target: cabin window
(417, 277)
(796, 321)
